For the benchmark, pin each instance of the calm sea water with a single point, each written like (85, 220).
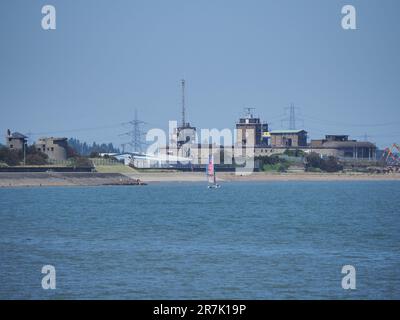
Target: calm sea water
(285, 240)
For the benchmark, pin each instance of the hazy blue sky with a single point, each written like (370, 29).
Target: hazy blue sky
(108, 57)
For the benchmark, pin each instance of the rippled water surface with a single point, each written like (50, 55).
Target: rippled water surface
(286, 240)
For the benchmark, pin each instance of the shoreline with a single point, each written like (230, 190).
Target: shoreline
(261, 176)
(13, 180)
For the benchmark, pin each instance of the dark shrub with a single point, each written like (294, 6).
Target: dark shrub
(331, 165)
(314, 161)
(10, 157)
(294, 153)
(36, 159)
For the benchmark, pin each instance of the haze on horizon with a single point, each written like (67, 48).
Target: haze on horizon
(107, 58)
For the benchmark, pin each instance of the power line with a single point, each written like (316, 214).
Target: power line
(292, 119)
(136, 134)
(385, 135)
(75, 130)
(337, 123)
(183, 104)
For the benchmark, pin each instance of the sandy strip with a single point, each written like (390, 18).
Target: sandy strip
(80, 179)
(261, 176)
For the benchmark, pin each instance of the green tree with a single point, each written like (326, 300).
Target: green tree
(71, 152)
(331, 165)
(273, 163)
(294, 153)
(35, 157)
(314, 161)
(10, 157)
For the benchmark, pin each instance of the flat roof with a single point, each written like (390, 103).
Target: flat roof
(52, 138)
(348, 144)
(286, 131)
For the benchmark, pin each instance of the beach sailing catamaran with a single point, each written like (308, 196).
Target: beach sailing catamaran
(210, 170)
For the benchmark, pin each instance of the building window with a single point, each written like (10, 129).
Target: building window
(52, 148)
(288, 142)
(11, 146)
(348, 154)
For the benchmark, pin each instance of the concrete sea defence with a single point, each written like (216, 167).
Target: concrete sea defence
(31, 179)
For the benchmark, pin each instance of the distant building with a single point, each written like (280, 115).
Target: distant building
(340, 146)
(15, 140)
(253, 139)
(55, 148)
(191, 153)
(288, 138)
(329, 137)
(250, 130)
(186, 134)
